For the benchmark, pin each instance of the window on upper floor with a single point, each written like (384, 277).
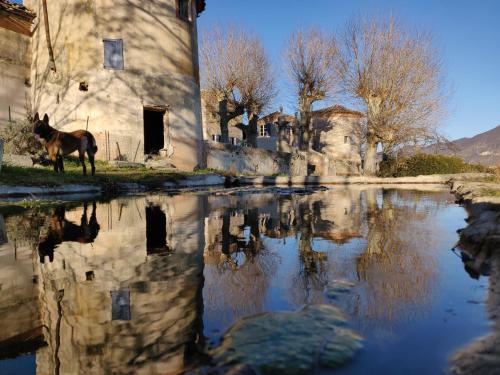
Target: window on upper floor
(113, 54)
(183, 7)
(346, 139)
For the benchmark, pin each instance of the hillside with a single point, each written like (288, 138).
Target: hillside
(483, 148)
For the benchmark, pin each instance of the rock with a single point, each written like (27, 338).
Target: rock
(336, 288)
(290, 343)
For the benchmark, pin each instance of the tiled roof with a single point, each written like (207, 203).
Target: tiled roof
(18, 10)
(16, 17)
(336, 110)
(274, 117)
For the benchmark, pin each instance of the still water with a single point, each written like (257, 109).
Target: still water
(150, 284)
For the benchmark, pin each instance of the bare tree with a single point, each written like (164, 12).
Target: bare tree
(256, 84)
(220, 54)
(396, 74)
(237, 77)
(311, 57)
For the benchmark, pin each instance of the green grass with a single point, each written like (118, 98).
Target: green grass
(490, 192)
(105, 174)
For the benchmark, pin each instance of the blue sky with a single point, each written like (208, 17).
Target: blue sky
(467, 33)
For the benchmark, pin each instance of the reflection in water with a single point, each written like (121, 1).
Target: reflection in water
(137, 286)
(62, 230)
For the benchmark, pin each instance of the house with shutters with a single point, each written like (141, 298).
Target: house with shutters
(126, 70)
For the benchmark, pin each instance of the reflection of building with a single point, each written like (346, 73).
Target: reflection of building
(114, 306)
(128, 68)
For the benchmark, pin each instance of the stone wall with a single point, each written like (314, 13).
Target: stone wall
(14, 74)
(160, 69)
(255, 161)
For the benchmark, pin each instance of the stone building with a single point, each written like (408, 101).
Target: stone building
(211, 125)
(127, 70)
(337, 135)
(15, 60)
(269, 136)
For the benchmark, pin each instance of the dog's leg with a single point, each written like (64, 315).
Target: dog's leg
(61, 163)
(92, 163)
(81, 156)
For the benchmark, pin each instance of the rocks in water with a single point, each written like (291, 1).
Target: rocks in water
(336, 288)
(290, 343)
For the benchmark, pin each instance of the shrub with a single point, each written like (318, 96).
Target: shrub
(19, 138)
(426, 164)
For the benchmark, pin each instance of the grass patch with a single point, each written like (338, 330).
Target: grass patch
(487, 192)
(105, 174)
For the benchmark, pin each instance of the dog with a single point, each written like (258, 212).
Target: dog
(62, 230)
(59, 144)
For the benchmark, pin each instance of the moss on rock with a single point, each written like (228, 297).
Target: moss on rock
(290, 343)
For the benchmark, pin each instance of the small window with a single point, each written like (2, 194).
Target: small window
(120, 305)
(183, 9)
(113, 54)
(216, 137)
(346, 139)
(262, 131)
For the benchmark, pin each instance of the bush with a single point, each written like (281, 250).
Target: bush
(19, 138)
(426, 164)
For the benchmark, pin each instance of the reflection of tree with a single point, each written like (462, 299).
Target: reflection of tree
(395, 268)
(310, 278)
(238, 267)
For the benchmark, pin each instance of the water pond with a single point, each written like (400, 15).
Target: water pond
(349, 280)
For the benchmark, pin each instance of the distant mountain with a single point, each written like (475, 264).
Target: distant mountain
(482, 149)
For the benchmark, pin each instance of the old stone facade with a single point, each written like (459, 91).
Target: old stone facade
(15, 60)
(272, 138)
(126, 70)
(336, 134)
(211, 126)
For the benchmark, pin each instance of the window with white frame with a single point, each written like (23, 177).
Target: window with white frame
(113, 54)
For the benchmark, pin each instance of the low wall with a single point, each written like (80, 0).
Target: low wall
(1, 154)
(339, 180)
(254, 161)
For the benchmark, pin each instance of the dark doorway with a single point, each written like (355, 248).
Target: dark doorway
(156, 230)
(154, 138)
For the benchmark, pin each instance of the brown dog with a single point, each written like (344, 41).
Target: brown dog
(60, 144)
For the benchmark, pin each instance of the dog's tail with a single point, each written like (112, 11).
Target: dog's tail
(92, 143)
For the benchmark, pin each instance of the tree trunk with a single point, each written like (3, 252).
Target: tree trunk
(370, 164)
(305, 125)
(252, 130)
(224, 121)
